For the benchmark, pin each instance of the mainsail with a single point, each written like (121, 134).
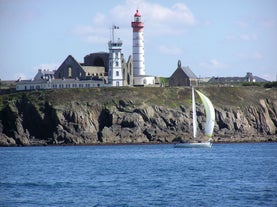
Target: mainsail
(194, 119)
(210, 114)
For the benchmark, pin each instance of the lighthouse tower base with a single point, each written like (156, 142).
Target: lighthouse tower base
(143, 80)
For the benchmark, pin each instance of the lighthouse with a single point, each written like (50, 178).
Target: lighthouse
(138, 46)
(115, 75)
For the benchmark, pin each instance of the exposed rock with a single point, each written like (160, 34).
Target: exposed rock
(76, 123)
(267, 123)
(6, 141)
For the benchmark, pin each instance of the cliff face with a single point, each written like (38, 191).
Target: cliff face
(133, 116)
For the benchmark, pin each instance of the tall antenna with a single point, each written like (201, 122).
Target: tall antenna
(113, 28)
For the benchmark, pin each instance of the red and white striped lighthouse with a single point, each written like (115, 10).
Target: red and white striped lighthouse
(138, 45)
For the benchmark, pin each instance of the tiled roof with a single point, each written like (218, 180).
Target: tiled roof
(189, 72)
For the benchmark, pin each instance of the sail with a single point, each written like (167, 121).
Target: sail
(210, 114)
(194, 119)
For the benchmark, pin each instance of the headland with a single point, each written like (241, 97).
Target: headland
(134, 115)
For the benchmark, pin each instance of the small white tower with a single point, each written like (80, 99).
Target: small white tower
(138, 45)
(115, 75)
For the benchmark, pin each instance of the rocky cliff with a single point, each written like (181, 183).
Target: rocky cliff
(133, 115)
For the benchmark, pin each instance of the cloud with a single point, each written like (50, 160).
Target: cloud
(269, 23)
(206, 22)
(212, 64)
(99, 19)
(10, 12)
(48, 66)
(158, 19)
(269, 77)
(178, 13)
(248, 37)
(212, 67)
(170, 50)
(242, 37)
(242, 24)
(92, 34)
(21, 76)
(263, 23)
(251, 56)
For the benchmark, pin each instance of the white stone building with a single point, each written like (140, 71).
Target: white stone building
(115, 74)
(58, 84)
(44, 74)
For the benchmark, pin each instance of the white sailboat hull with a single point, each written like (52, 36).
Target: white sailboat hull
(194, 145)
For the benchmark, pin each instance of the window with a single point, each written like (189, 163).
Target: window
(117, 73)
(116, 63)
(144, 81)
(69, 72)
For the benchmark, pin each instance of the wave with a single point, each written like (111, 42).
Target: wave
(37, 184)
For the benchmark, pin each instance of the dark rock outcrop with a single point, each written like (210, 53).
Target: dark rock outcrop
(23, 122)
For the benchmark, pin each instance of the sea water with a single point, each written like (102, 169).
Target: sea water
(139, 175)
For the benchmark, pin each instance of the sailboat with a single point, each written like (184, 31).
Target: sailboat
(209, 127)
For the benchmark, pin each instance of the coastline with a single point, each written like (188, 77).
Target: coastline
(217, 140)
(70, 117)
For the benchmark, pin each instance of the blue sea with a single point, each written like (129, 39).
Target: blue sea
(139, 175)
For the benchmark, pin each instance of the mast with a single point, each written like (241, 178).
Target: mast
(194, 118)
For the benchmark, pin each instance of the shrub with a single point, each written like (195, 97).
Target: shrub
(271, 84)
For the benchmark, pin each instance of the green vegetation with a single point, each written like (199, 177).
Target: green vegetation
(173, 97)
(259, 84)
(271, 84)
(106, 97)
(164, 81)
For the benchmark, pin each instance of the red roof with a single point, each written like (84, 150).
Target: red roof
(137, 14)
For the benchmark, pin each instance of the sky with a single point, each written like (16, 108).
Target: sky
(214, 38)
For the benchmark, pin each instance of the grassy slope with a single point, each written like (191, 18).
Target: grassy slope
(170, 97)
